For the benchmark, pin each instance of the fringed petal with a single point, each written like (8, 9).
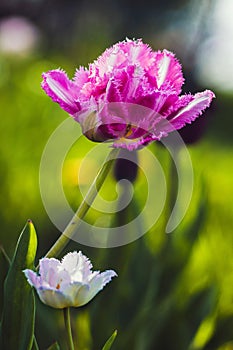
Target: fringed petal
(96, 284)
(78, 265)
(192, 110)
(167, 69)
(61, 90)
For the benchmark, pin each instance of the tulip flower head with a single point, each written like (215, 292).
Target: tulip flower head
(69, 282)
(130, 95)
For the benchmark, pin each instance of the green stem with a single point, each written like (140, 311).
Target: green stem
(71, 228)
(35, 344)
(8, 260)
(70, 342)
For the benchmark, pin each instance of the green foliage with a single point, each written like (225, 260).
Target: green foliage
(17, 325)
(110, 341)
(155, 302)
(54, 346)
(222, 334)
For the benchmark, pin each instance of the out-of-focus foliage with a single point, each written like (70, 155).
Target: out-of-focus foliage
(173, 291)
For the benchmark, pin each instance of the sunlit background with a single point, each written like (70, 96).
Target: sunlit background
(173, 291)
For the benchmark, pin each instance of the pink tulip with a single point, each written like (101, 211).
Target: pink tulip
(130, 95)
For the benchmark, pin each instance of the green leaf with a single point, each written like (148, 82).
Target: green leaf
(17, 326)
(35, 345)
(7, 259)
(54, 346)
(222, 333)
(110, 341)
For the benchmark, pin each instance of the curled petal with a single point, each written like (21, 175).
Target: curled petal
(181, 101)
(96, 284)
(61, 90)
(192, 110)
(32, 278)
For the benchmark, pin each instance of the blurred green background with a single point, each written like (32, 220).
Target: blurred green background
(173, 291)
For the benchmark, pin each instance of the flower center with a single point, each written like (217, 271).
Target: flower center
(128, 130)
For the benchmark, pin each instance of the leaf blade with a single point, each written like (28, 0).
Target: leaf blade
(54, 346)
(17, 326)
(110, 341)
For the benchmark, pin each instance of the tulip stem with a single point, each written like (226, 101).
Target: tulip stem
(70, 342)
(71, 228)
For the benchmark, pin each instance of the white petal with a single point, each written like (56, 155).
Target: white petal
(33, 278)
(54, 298)
(78, 266)
(97, 283)
(45, 264)
(75, 292)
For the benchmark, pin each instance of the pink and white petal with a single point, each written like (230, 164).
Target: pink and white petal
(46, 264)
(154, 100)
(52, 274)
(57, 85)
(181, 102)
(128, 114)
(137, 52)
(167, 69)
(112, 92)
(111, 58)
(81, 77)
(96, 284)
(192, 110)
(61, 279)
(159, 101)
(113, 113)
(32, 278)
(122, 79)
(171, 100)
